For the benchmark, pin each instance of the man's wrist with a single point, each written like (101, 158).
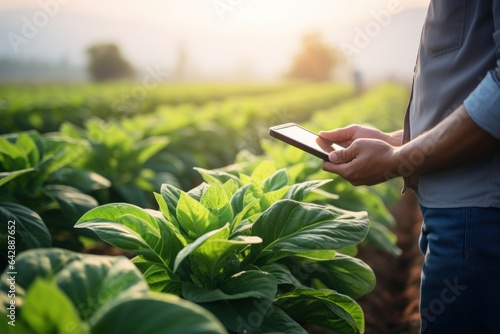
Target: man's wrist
(396, 138)
(395, 164)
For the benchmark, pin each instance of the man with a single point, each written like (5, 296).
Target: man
(449, 154)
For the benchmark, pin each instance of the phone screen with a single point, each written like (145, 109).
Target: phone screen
(304, 139)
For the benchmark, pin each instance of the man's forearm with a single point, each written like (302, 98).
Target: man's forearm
(456, 140)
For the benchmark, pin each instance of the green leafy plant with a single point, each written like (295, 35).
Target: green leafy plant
(58, 291)
(247, 249)
(40, 191)
(339, 192)
(121, 155)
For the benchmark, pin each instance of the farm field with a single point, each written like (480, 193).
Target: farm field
(199, 183)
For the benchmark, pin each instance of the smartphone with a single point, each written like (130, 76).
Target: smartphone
(302, 138)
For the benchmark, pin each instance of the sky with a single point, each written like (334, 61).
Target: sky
(243, 11)
(217, 35)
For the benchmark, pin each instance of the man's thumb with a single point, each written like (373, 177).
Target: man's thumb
(339, 156)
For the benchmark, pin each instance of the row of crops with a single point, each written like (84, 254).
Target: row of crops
(28, 107)
(185, 181)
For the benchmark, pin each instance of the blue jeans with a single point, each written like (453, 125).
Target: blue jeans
(460, 289)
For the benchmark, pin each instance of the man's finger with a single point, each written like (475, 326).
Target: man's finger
(340, 156)
(338, 135)
(339, 169)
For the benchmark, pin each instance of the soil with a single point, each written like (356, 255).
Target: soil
(392, 307)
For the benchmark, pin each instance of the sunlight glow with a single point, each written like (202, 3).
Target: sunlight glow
(218, 38)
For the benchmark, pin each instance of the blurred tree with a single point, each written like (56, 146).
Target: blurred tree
(315, 61)
(107, 63)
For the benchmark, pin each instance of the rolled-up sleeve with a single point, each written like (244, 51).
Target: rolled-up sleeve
(483, 104)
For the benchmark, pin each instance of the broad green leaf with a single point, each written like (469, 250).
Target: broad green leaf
(35, 263)
(147, 148)
(95, 281)
(277, 321)
(345, 274)
(216, 200)
(242, 285)
(29, 147)
(186, 251)
(320, 196)
(123, 237)
(238, 199)
(263, 171)
(290, 227)
(211, 257)
(230, 187)
(362, 198)
(286, 153)
(71, 131)
(171, 195)
(157, 314)
(317, 255)
(282, 275)
(241, 315)
(170, 244)
(276, 181)
(172, 238)
(159, 280)
(163, 206)
(20, 326)
(9, 176)
(381, 237)
(208, 176)
(72, 201)
(114, 211)
(141, 263)
(244, 216)
(109, 291)
(215, 176)
(245, 179)
(12, 157)
(88, 281)
(244, 196)
(325, 308)
(127, 227)
(351, 250)
(271, 197)
(301, 169)
(198, 192)
(30, 230)
(259, 281)
(62, 152)
(299, 191)
(60, 317)
(84, 180)
(159, 277)
(194, 218)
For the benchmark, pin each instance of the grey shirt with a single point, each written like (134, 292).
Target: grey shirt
(460, 45)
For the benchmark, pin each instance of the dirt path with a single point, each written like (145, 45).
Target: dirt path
(392, 308)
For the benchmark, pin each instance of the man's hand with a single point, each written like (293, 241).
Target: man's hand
(346, 136)
(364, 161)
(370, 157)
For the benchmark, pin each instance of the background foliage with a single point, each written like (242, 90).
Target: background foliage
(172, 159)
